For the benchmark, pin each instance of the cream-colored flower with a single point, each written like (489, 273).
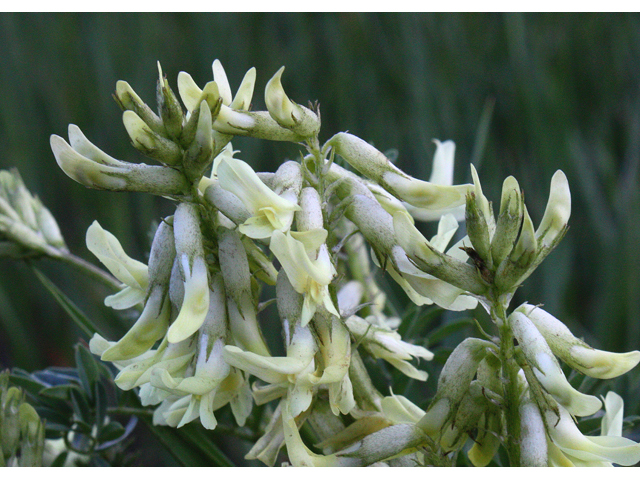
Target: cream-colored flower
(291, 373)
(388, 345)
(270, 212)
(546, 367)
(309, 277)
(133, 274)
(421, 287)
(569, 447)
(576, 353)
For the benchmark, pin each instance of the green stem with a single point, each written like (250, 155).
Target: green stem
(510, 381)
(90, 270)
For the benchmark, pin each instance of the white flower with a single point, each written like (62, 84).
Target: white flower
(309, 277)
(546, 368)
(569, 447)
(291, 372)
(441, 174)
(270, 212)
(576, 353)
(422, 288)
(133, 274)
(388, 345)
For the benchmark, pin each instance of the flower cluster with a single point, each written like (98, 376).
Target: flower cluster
(313, 230)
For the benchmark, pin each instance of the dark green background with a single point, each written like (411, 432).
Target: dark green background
(556, 91)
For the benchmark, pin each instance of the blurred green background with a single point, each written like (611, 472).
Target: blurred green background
(520, 95)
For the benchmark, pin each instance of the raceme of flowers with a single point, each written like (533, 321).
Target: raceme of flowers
(314, 230)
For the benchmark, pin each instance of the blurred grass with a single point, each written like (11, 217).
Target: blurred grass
(547, 91)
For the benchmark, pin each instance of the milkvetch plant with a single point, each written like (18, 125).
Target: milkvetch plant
(315, 231)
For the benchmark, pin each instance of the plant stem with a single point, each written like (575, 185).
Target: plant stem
(90, 270)
(510, 381)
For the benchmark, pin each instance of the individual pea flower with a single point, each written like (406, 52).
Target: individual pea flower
(269, 211)
(179, 410)
(133, 274)
(546, 368)
(575, 352)
(136, 372)
(25, 222)
(153, 323)
(236, 272)
(441, 174)
(193, 271)
(388, 345)
(444, 278)
(569, 447)
(289, 115)
(289, 375)
(87, 164)
(375, 165)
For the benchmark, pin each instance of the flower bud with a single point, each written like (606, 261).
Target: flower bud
(190, 257)
(289, 115)
(129, 100)
(533, 436)
(169, 107)
(150, 143)
(90, 166)
(546, 367)
(509, 221)
(576, 353)
(198, 156)
(478, 229)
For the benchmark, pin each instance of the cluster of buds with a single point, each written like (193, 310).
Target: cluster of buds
(307, 229)
(21, 430)
(26, 226)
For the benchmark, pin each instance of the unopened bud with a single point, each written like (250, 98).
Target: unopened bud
(199, 155)
(129, 100)
(289, 115)
(533, 436)
(509, 221)
(90, 166)
(169, 106)
(150, 143)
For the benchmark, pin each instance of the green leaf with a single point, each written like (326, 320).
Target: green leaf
(81, 407)
(80, 319)
(60, 459)
(87, 369)
(112, 431)
(189, 446)
(101, 405)
(60, 392)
